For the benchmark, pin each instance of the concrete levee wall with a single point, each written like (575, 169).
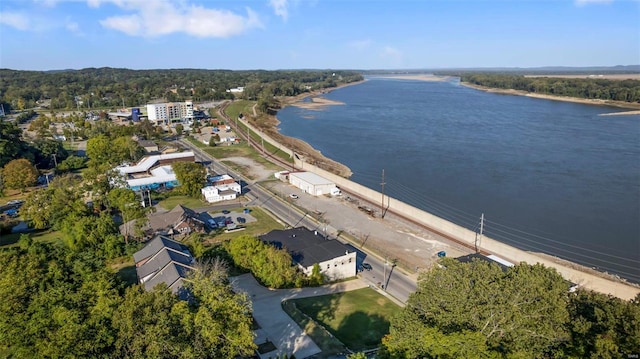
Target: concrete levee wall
(591, 281)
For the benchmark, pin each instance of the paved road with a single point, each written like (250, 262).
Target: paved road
(275, 325)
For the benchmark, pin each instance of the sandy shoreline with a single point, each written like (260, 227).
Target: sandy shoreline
(585, 101)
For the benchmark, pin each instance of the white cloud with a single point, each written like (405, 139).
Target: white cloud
(586, 2)
(281, 8)
(73, 27)
(163, 17)
(360, 44)
(16, 20)
(392, 53)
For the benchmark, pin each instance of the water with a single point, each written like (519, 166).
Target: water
(549, 176)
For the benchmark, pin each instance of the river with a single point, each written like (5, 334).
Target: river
(549, 176)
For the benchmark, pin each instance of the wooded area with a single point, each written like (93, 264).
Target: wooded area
(588, 88)
(99, 88)
(479, 310)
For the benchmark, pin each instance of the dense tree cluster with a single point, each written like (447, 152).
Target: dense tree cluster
(111, 87)
(589, 88)
(271, 266)
(476, 309)
(40, 152)
(191, 176)
(58, 303)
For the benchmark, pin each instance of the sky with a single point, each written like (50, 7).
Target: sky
(317, 34)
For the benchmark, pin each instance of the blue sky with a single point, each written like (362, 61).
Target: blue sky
(296, 34)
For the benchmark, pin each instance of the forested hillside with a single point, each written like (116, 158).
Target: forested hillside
(589, 88)
(110, 87)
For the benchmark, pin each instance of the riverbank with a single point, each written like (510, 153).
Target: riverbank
(584, 101)
(587, 280)
(312, 100)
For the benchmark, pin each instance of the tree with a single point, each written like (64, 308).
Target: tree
(55, 304)
(11, 144)
(271, 266)
(462, 309)
(603, 326)
(48, 207)
(191, 177)
(179, 129)
(222, 318)
(128, 204)
(20, 174)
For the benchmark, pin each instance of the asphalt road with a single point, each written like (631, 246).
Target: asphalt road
(387, 277)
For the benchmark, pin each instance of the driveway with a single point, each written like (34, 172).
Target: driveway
(276, 325)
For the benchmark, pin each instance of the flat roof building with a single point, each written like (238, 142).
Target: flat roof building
(307, 248)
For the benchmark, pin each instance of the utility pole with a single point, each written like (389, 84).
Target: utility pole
(382, 211)
(384, 276)
(55, 160)
(479, 235)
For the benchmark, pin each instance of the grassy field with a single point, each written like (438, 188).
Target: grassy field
(236, 107)
(193, 203)
(11, 240)
(359, 318)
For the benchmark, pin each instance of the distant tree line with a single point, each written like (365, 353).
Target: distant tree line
(589, 88)
(111, 88)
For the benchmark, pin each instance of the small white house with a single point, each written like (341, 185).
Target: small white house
(313, 184)
(216, 194)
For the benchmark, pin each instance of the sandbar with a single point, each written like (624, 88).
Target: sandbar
(585, 101)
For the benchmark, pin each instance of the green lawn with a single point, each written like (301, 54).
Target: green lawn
(237, 107)
(11, 240)
(359, 318)
(170, 202)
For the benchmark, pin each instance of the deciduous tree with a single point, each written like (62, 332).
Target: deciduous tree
(191, 177)
(477, 307)
(20, 174)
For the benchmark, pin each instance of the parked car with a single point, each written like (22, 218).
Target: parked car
(366, 266)
(294, 196)
(224, 211)
(241, 220)
(212, 223)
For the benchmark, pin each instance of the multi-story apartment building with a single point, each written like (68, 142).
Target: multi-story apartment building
(164, 113)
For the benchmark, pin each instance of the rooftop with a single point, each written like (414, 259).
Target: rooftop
(311, 178)
(306, 247)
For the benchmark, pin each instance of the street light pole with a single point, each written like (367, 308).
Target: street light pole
(384, 277)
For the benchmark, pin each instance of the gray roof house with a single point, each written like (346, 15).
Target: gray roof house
(164, 260)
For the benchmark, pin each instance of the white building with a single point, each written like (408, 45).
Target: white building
(307, 248)
(221, 188)
(313, 184)
(153, 172)
(213, 194)
(160, 113)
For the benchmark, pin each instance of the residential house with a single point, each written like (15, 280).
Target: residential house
(177, 222)
(221, 188)
(163, 260)
(336, 260)
(149, 146)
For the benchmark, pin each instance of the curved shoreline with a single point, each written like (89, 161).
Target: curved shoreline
(562, 263)
(584, 101)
